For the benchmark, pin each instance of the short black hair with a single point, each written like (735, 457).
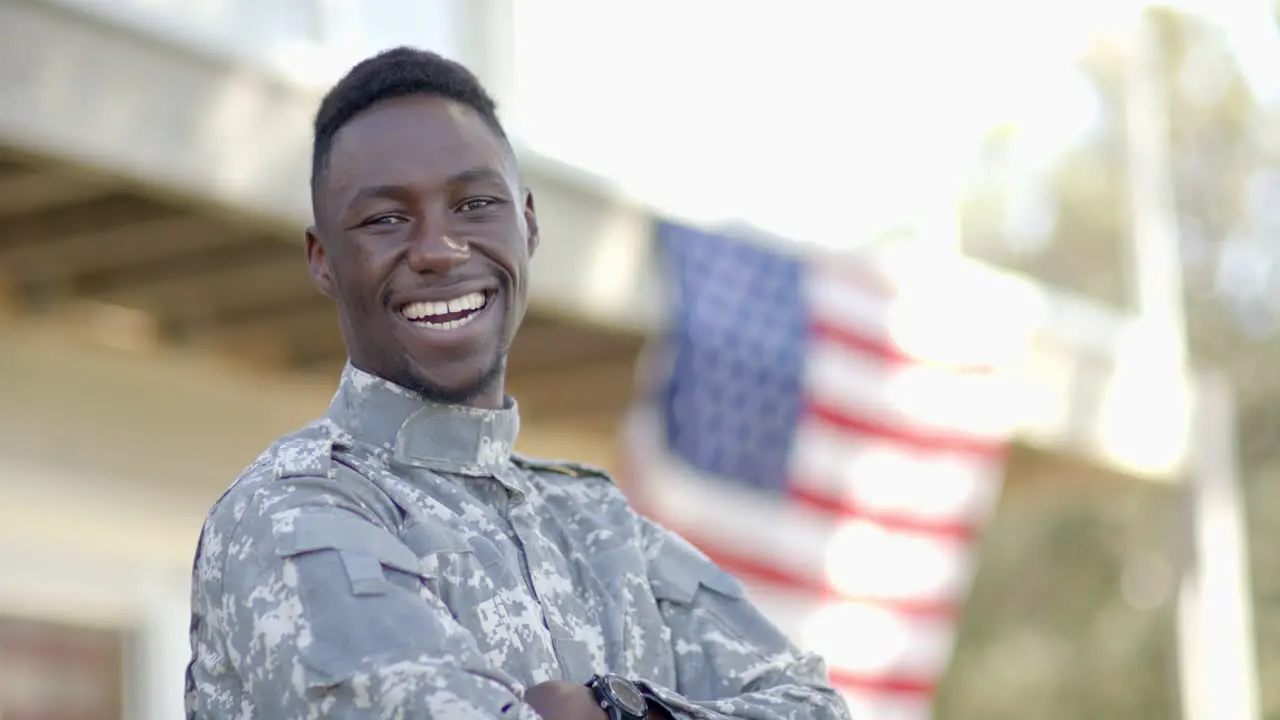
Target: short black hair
(394, 73)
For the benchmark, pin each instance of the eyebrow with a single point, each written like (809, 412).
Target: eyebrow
(476, 174)
(398, 192)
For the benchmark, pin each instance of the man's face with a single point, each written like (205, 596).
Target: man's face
(423, 235)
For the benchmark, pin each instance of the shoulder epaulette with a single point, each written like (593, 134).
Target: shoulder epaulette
(561, 467)
(304, 456)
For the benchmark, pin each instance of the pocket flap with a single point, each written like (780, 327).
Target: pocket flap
(680, 569)
(432, 538)
(315, 530)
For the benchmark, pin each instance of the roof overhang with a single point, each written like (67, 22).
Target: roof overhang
(204, 131)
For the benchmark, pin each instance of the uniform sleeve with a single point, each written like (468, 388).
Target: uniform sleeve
(731, 662)
(323, 614)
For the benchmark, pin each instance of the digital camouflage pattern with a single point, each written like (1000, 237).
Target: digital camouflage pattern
(394, 559)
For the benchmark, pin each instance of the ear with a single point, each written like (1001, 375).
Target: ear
(318, 265)
(531, 221)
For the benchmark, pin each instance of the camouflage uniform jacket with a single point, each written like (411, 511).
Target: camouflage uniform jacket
(394, 559)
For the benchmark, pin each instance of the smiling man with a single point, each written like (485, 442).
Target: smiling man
(395, 559)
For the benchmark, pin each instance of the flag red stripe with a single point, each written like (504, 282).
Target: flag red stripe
(847, 508)
(879, 684)
(919, 440)
(752, 570)
(887, 351)
(866, 278)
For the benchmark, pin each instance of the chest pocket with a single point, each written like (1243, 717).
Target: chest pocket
(471, 577)
(448, 564)
(615, 601)
(437, 548)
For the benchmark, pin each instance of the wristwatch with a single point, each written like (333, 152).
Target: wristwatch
(619, 697)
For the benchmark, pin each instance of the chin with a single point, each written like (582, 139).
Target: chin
(458, 390)
(447, 394)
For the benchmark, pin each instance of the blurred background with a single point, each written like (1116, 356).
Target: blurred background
(1092, 181)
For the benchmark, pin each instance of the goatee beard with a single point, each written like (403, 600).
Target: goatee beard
(463, 395)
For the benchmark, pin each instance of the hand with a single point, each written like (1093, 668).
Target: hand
(559, 700)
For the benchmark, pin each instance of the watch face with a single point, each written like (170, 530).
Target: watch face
(629, 698)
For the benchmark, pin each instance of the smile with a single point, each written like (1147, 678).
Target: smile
(446, 314)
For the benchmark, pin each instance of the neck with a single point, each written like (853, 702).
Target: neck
(468, 439)
(486, 393)
(492, 399)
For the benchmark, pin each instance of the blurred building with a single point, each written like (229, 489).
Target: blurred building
(158, 328)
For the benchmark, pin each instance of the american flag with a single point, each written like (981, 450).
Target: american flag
(834, 440)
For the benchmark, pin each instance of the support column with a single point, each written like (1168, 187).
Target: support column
(163, 649)
(1215, 600)
(1217, 665)
(487, 30)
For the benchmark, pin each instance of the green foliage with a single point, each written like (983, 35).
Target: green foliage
(1046, 634)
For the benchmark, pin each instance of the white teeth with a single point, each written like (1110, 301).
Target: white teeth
(447, 325)
(421, 312)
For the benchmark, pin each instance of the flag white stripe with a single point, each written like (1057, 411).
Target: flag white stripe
(882, 476)
(852, 557)
(924, 398)
(833, 299)
(869, 640)
(887, 707)
(935, 324)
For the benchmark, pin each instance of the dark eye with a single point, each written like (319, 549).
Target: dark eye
(386, 220)
(474, 204)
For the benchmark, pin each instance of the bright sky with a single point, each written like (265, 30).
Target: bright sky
(819, 120)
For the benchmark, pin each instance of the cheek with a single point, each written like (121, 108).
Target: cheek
(357, 277)
(520, 271)
(520, 288)
(516, 302)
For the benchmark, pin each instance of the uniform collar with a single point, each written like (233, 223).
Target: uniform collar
(453, 438)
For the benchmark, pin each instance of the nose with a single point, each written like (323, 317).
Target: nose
(433, 250)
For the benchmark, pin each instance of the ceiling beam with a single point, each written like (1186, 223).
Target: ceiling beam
(233, 285)
(193, 265)
(111, 212)
(575, 389)
(278, 316)
(299, 333)
(61, 258)
(31, 191)
(551, 344)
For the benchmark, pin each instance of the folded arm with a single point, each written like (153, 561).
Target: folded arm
(731, 662)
